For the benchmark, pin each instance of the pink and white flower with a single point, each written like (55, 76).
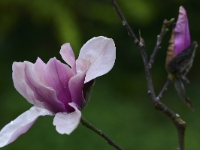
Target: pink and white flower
(57, 89)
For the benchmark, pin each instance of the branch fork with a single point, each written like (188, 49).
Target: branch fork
(178, 122)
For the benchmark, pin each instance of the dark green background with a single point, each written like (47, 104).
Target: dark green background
(119, 103)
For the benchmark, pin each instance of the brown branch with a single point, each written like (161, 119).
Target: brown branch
(99, 132)
(160, 37)
(164, 89)
(125, 23)
(178, 122)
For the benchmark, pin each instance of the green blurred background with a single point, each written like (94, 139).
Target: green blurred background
(119, 103)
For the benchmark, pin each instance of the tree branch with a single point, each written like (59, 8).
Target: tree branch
(99, 132)
(178, 122)
(124, 22)
(160, 37)
(164, 89)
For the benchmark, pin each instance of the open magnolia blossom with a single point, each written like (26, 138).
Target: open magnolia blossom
(57, 89)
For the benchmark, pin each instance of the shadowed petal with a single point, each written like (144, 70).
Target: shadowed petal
(39, 70)
(21, 86)
(101, 53)
(68, 55)
(87, 90)
(42, 92)
(181, 32)
(20, 125)
(82, 65)
(57, 75)
(76, 89)
(67, 122)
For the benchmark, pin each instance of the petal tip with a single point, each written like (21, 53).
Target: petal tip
(181, 32)
(65, 122)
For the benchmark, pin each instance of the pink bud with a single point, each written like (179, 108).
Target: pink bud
(181, 32)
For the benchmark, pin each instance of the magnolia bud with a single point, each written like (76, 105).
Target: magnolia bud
(181, 63)
(180, 54)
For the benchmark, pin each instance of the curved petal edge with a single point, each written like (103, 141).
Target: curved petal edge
(21, 125)
(66, 123)
(101, 53)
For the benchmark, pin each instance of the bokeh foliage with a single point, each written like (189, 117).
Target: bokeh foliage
(119, 103)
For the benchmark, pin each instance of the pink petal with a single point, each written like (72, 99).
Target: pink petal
(76, 84)
(82, 65)
(101, 53)
(181, 32)
(68, 55)
(42, 92)
(21, 86)
(67, 122)
(39, 70)
(20, 125)
(57, 76)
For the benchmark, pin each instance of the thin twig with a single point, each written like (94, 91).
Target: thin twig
(99, 132)
(163, 89)
(178, 122)
(125, 23)
(163, 31)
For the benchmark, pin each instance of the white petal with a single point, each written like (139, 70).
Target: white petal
(101, 53)
(67, 122)
(21, 125)
(82, 65)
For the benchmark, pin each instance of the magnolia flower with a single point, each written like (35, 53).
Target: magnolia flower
(180, 54)
(58, 89)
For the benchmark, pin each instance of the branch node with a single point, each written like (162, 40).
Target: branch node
(150, 65)
(123, 23)
(149, 92)
(158, 98)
